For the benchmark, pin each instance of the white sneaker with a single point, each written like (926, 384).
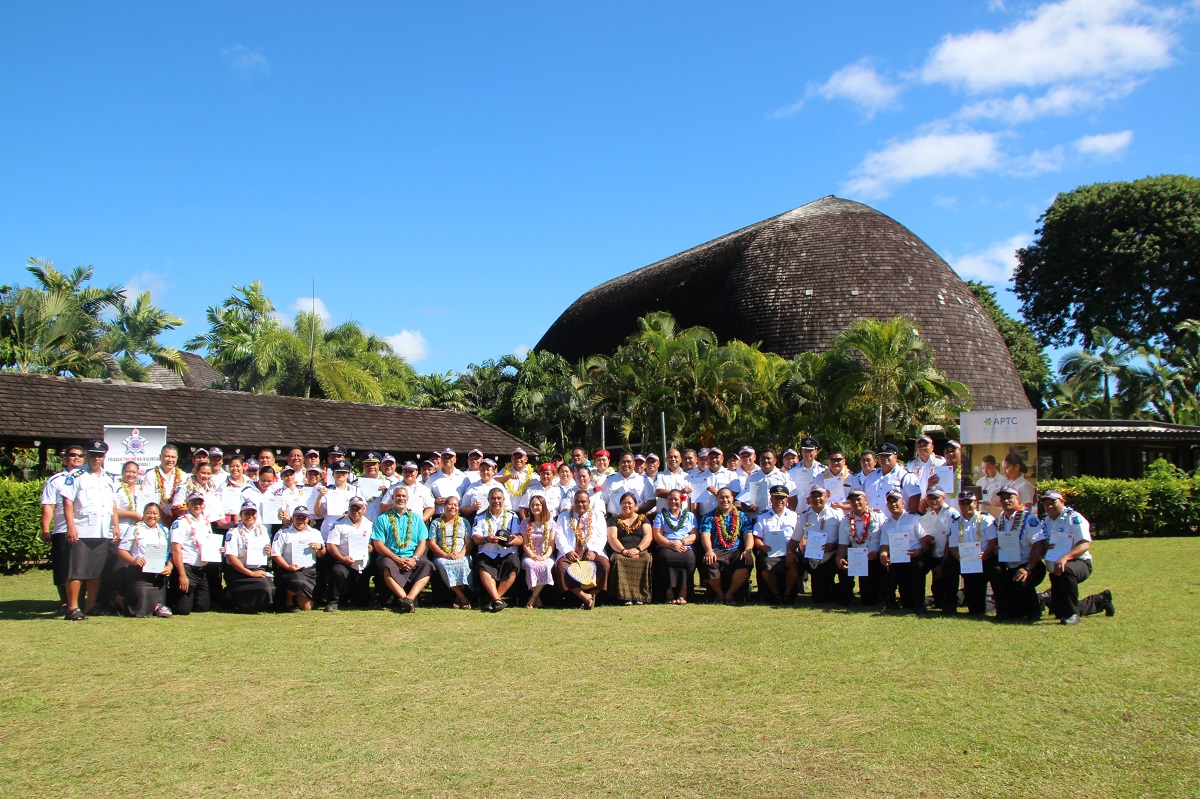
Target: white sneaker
(162, 611)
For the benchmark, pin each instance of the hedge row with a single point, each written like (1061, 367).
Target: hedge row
(1150, 506)
(20, 525)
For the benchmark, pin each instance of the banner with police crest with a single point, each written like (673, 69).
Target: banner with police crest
(142, 445)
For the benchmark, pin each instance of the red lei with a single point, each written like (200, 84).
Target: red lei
(728, 536)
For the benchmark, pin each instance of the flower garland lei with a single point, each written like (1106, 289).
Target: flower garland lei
(454, 544)
(728, 533)
(581, 524)
(491, 525)
(539, 549)
(129, 496)
(855, 538)
(162, 487)
(1018, 523)
(527, 472)
(408, 531)
(673, 524)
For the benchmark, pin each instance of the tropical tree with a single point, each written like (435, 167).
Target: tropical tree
(342, 363)
(1107, 360)
(441, 391)
(882, 374)
(132, 334)
(245, 341)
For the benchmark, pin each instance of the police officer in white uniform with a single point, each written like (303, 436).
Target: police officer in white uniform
(1069, 562)
(772, 532)
(89, 506)
(54, 523)
(891, 475)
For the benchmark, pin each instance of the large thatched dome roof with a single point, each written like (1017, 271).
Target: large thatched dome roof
(795, 281)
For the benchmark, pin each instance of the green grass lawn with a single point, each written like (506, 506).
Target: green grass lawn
(656, 701)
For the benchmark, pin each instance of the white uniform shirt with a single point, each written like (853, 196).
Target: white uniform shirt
(126, 498)
(874, 527)
(979, 528)
(213, 511)
(52, 495)
(552, 494)
(420, 497)
(907, 523)
(170, 484)
(878, 484)
(185, 532)
(706, 501)
(135, 536)
(988, 486)
(486, 524)
(947, 521)
(1069, 525)
(803, 477)
(478, 493)
(776, 531)
(828, 521)
(454, 484)
(330, 519)
(93, 498)
(1029, 533)
(617, 486)
(596, 539)
(757, 490)
(241, 539)
(341, 533)
(666, 480)
(924, 469)
(286, 541)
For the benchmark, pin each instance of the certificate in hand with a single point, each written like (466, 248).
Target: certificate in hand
(369, 487)
(156, 558)
(929, 524)
(336, 503)
(836, 489)
(816, 540)
(210, 547)
(857, 562)
(356, 546)
(301, 555)
(1010, 546)
(271, 505)
(256, 554)
(699, 487)
(945, 480)
(898, 546)
(968, 558)
(231, 501)
(1060, 544)
(143, 500)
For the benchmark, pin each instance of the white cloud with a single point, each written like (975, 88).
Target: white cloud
(933, 154)
(152, 282)
(995, 264)
(1105, 145)
(1036, 162)
(521, 350)
(410, 345)
(308, 305)
(1058, 101)
(1069, 41)
(245, 60)
(860, 84)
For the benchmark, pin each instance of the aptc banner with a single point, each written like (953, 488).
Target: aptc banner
(998, 427)
(140, 444)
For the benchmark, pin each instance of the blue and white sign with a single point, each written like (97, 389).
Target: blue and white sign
(140, 444)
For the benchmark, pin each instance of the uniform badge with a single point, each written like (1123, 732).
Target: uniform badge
(135, 444)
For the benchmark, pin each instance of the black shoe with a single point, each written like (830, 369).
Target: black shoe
(291, 609)
(1107, 603)
(331, 607)
(1044, 600)
(1072, 619)
(499, 605)
(74, 614)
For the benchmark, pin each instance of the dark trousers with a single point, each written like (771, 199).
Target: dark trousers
(909, 579)
(974, 587)
(822, 581)
(344, 584)
(1019, 600)
(60, 553)
(870, 588)
(197, 598)
(1064, 591)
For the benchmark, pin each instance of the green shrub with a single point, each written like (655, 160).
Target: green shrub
(1161, 504)
(20, 525)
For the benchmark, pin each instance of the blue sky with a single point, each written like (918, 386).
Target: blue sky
(454, 175)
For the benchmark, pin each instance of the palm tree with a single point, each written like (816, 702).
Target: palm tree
(1108, 359)
(886, 369)
(245, 340)
(133, 333)
(46, 333)
(1075, 398)
(343, 363)
(441, 391)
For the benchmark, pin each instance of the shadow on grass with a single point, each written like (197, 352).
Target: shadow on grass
(26, 609)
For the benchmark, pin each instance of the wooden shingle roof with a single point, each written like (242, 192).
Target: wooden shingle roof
(63, 409)
(200, 374)
(794, 282)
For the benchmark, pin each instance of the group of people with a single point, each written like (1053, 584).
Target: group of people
(312, 531)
